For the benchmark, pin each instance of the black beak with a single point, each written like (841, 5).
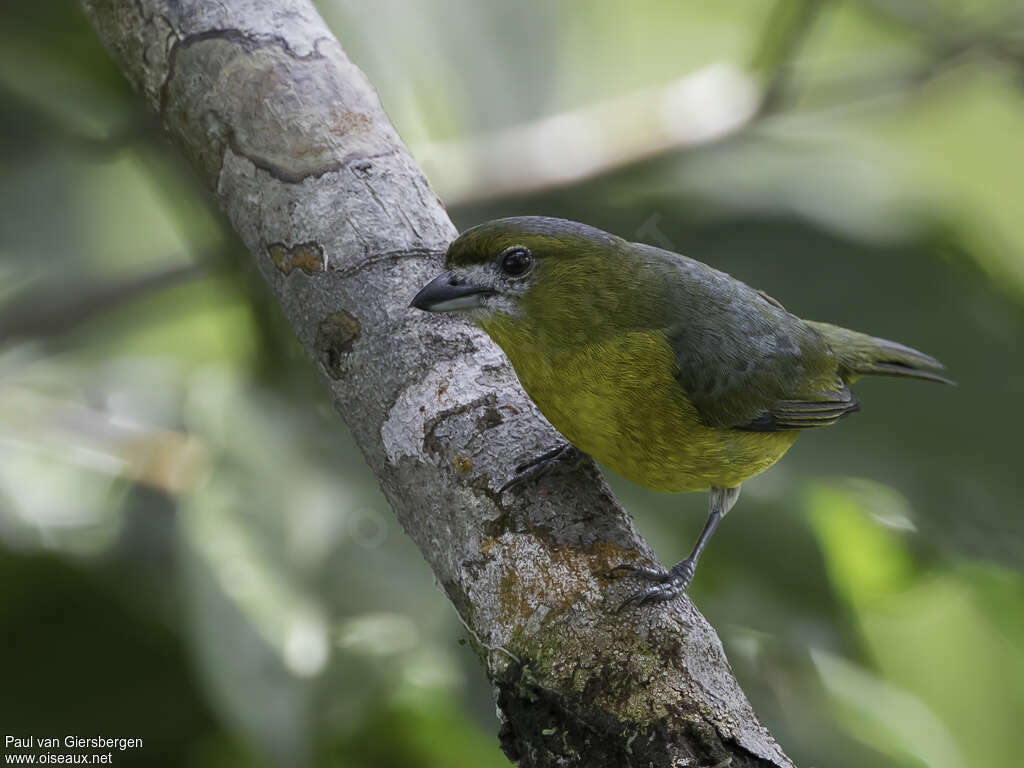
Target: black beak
(448, 293)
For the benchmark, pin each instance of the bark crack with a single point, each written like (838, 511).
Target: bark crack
(276, 170)
(249, 41)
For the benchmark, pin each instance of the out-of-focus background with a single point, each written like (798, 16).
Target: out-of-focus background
(193, 552)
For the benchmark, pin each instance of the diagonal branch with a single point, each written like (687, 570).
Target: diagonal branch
(292, 139)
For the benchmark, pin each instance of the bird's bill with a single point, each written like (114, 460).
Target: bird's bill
(448, 293)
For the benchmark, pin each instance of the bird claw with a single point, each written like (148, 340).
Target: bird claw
(540, 465)
(668, 584)
(645, 571)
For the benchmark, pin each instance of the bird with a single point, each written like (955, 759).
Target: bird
(670, 373)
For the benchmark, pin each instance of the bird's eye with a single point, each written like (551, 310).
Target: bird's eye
(516, 261)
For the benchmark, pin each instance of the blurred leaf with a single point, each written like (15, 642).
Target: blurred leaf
(887, 717)
(863, 557)
(942, 635)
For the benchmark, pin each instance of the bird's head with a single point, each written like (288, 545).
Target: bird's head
(530, 272)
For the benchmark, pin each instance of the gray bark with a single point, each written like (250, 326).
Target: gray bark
(291, 137)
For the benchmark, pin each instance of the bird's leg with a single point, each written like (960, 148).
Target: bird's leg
(542, 464)
(671, 583)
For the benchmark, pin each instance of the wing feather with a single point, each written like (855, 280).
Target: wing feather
(742, 360)
(790, 414)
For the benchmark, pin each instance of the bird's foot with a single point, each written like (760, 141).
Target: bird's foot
(542, 464)
(667, 584)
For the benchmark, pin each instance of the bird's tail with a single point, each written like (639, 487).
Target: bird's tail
(862, 355)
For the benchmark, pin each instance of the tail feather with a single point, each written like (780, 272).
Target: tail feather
(862, 355)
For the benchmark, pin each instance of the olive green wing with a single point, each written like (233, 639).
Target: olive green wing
(744, 362)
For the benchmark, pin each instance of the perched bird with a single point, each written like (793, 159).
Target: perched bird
(670, 373)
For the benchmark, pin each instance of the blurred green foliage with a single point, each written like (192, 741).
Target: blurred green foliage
(946, 641)
(192, 551)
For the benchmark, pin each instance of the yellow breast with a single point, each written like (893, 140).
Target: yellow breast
(619, 402)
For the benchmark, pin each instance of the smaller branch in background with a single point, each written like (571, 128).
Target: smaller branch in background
(695, 110)
(785, 32)
(52, 310)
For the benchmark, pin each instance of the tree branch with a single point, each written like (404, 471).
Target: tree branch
(291, 137)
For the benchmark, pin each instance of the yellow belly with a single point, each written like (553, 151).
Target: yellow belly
(619, 402)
